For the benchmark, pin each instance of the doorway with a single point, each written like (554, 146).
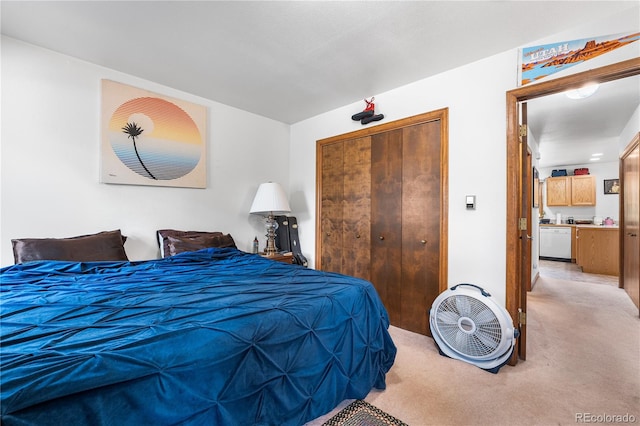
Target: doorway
(516, 260)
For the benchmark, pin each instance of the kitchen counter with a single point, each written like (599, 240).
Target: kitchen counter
(595, 229)
(582, 226)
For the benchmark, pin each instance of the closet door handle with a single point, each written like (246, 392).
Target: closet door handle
(423, 241)
(357, 235)
(381, 238)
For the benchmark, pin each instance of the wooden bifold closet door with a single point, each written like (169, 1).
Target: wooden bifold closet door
(346, 203)
(382, 213)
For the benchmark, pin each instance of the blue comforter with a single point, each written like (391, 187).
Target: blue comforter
(214, 337)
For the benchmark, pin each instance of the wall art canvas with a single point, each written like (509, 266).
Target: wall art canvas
(538, 62)
(151, 139)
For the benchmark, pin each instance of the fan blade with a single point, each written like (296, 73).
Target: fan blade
(448, 317)
(461, 340)
(485, 316)
(464, 308)
(489, 340)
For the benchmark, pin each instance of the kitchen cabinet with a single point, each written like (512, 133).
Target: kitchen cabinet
(583, 190)
(571, 190)
(558, 191)
(598, 250)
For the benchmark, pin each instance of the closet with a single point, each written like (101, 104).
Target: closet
(382, 212)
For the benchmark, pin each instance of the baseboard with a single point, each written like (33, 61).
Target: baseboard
(535, 280)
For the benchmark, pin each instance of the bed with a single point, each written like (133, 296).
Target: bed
(215, 336)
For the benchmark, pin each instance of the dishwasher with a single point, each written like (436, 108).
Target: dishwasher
(555, 243)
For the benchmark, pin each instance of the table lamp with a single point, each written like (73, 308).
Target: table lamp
(270, 200)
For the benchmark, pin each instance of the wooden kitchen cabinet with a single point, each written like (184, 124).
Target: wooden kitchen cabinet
(558, 191)
(583, 190)
(598, 250)
(571, 190)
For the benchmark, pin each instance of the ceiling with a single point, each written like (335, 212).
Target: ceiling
(570, 131)
(290, 61)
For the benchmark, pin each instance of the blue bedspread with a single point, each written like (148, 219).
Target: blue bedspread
(214, 337)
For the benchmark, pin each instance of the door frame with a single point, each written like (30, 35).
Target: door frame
(514, 261)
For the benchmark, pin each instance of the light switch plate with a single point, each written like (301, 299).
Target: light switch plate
(471, 202)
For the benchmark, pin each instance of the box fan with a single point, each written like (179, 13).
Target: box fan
(468, 325)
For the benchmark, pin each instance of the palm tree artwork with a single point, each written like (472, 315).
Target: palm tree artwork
(133, 130)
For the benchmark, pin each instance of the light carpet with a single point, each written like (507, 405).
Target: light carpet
(583, 366)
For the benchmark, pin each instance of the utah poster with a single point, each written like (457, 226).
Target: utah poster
(540, 61)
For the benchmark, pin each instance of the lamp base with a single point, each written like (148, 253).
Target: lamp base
(271, 225)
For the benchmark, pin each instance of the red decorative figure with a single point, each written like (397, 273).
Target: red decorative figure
(368, 114)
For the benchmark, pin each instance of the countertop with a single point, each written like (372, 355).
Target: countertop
(581, 226)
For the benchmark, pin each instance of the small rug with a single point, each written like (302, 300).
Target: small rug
(361, 413)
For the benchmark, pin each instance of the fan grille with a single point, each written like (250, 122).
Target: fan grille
(468, 326)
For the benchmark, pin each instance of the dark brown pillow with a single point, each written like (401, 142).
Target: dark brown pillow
(206, 240)
(103, 246)
(177, 245)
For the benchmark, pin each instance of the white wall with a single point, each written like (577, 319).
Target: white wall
(475, 96)
(50, 160)
(50, 157)
(630, 130)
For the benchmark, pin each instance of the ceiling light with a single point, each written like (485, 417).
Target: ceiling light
(582, 92)
(594, 159)
(597, 154)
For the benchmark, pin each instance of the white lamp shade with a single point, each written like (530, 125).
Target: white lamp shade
(270, 199)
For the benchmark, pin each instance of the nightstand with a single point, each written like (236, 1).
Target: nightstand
(280, 257)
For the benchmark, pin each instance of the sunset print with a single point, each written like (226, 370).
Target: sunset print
(154, 138)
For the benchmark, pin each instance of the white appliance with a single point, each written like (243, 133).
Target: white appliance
(555, 242)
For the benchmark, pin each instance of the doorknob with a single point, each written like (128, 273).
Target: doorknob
(529, 237)
(381, 237)
(423, 241)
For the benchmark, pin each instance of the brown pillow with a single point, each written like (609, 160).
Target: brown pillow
(181, 244)
(103, 246)
(203, 240)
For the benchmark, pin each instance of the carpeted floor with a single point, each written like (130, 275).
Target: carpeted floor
(583, 366)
